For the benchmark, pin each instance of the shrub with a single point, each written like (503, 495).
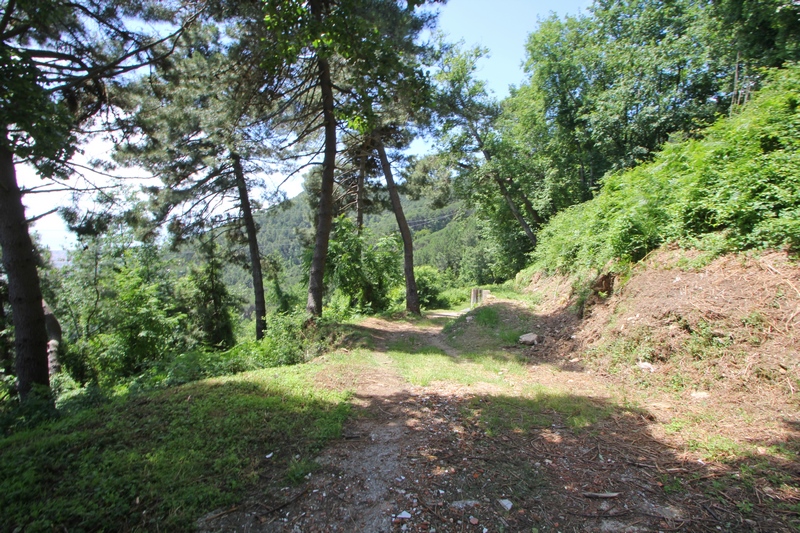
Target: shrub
(741, 181)
(360, 271)
(285, 342)
(429, 287)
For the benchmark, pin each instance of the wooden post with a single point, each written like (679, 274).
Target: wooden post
(476, 297)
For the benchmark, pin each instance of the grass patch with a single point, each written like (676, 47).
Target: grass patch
(538, 408)
(422, 364)
(719, 448)
(488, 327)
(163, 459)
(487, 317)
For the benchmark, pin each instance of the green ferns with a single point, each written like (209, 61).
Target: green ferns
(735, 188)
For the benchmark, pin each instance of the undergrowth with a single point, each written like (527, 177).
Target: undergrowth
(736, 187)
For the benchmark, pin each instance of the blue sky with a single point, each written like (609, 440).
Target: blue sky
(502, 26)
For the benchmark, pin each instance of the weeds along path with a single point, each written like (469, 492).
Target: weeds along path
(456, 428)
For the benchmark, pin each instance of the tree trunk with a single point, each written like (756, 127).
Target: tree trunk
(412, 297)
(362, 172)
(316, 273)
(532, 213)
(24, 290)
(511, 205)
(54, 339)
(509, 200)
(252, 242)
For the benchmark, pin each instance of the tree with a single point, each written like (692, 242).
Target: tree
(353, 35)
(387, 98)
(362, 271)
(412, 295)
(206, 124)
(207, 302)
(467, 116)
(55, 57)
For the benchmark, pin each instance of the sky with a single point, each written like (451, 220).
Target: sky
(502, 26)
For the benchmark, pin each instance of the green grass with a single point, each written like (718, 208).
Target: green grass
(159, 461)
(535, 408)
(488, 328)
(421, 365)
(718, 448)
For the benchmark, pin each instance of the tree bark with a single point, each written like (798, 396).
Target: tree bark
(511, 205)
(362, 172)
(412, 297)
(316, 275)
(532, 213)
(24, 289)
(252, 242)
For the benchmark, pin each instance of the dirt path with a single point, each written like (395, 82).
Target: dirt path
(510, 451)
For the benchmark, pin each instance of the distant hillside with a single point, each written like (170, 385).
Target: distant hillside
(438, 233)
(280, 231)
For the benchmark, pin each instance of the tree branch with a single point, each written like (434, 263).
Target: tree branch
(37, 217)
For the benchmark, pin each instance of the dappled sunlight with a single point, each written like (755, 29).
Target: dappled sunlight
(204, 445)
(560, 459)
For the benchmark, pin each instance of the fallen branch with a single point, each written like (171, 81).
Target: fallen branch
(609, 515)
(601, 495)
(284, 504)
(223, 513)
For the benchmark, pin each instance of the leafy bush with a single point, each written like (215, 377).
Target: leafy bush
(741, 181)
(285, 342)
(429, 287)
(362, 272)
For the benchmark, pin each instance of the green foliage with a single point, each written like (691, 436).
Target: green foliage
(126, 320)
(286, 342)
(206, 301)
(160, 461)
(740, 179)
(362, 272)
(429, 287)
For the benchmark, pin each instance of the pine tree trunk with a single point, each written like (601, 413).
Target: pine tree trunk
(24, 290)
(412, 297)
(252, 242)
(316, 273)
(362, 172)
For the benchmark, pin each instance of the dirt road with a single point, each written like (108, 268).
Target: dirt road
(454, 432)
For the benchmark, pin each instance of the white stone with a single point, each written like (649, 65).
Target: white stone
(646, 366)
(507, 505)
(530, 339)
